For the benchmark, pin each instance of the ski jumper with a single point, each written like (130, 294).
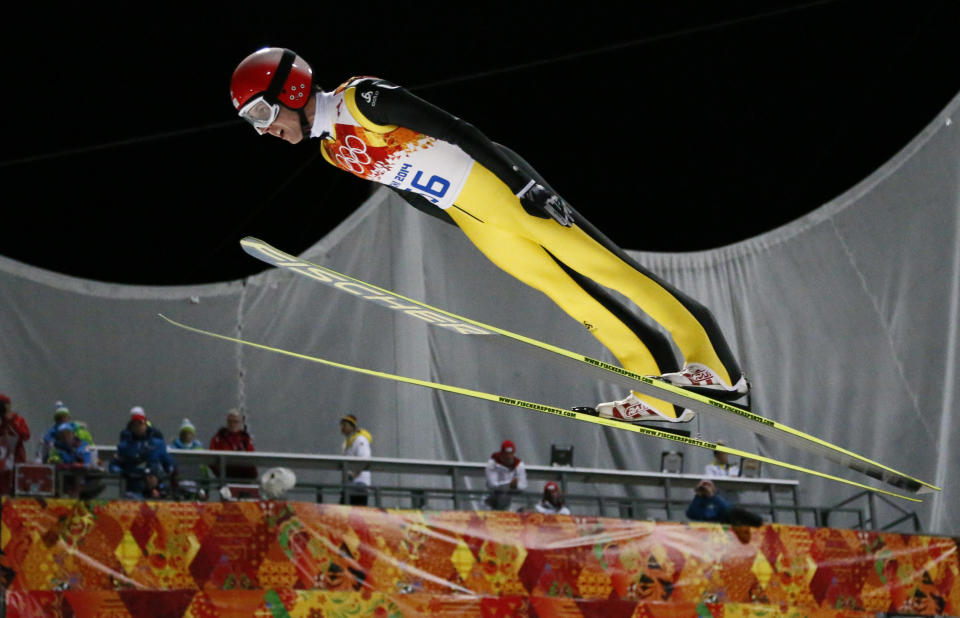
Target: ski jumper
(446, 167)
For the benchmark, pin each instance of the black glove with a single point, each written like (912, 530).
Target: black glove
(541, 202)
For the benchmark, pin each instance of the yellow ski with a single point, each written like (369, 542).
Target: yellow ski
(596, 368)
(539, 407)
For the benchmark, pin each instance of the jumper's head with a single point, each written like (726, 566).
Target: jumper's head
(267, 80)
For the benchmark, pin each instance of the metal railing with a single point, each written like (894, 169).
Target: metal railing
(458, 474)
(872, 519)
(580, 504)
(613, 492)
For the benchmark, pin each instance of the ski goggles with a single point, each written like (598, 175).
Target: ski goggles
(259, 112)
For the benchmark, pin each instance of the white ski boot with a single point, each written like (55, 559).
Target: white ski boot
(633, 410)
(700, 378)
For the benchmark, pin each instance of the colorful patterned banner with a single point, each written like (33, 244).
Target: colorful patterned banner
(298, 559)
(319, 604)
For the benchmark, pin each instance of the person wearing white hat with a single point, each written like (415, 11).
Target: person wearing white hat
(140, 447)
(186, 437)
(193, 480)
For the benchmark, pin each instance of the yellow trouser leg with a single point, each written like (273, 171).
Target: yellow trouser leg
(490, 200)
(529, 263)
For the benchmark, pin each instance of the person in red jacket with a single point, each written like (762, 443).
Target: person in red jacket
(13, 433)
(234, 437)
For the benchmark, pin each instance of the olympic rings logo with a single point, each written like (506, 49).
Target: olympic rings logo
(353, 155)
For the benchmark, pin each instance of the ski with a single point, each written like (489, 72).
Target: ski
(598, 369)
(542, 408)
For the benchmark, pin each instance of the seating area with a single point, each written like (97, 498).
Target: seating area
(450, 485)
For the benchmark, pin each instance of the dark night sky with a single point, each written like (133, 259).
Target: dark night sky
(676, 126)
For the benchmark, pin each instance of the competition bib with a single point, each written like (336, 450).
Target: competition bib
(396, 156)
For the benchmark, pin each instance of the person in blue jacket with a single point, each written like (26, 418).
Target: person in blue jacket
(68, 448)
(708, 505)
(62, 415)
(140, 447)
(75, 457)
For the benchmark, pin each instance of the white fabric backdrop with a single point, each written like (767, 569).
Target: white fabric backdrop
(845, 320)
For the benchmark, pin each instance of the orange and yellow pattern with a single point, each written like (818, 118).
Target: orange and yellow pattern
(69, 558)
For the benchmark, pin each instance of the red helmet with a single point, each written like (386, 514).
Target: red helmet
(277, 74)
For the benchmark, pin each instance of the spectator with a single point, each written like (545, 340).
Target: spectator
(552, 501)
(61, 414)
(186, 437)
(154, 488)
(721, 465)
(356, 443)
(74, 456)
(707, 505)
(192, 480)
(506, 473)
(13, 433)
(140, 447)
(234, 437)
